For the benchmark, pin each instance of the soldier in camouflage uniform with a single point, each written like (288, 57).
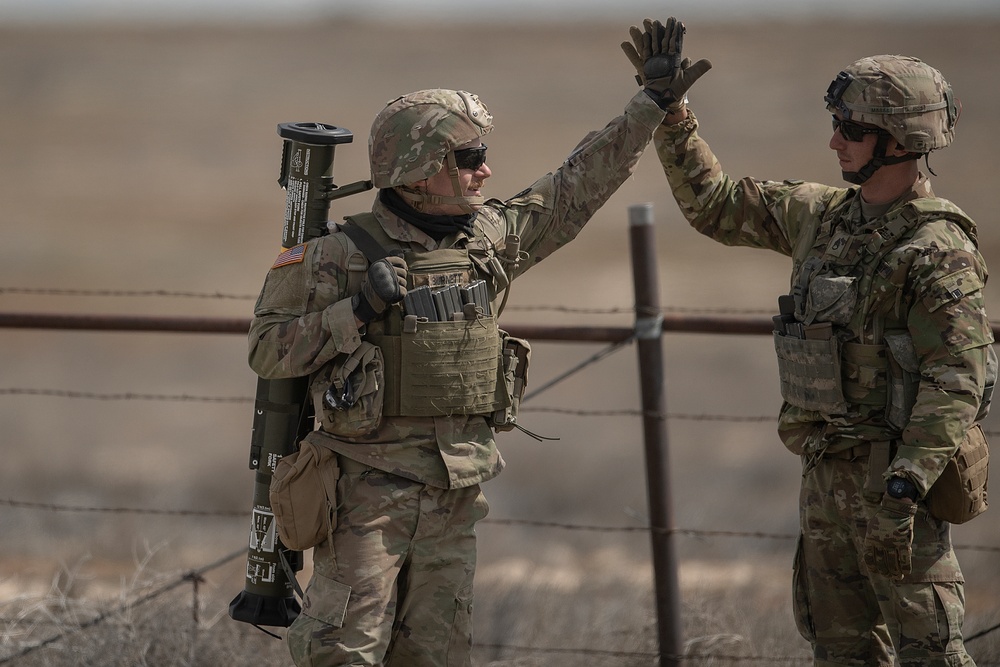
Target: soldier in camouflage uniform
(409, 406)
(883, 345)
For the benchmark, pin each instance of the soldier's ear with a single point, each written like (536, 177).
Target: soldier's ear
(895, 149)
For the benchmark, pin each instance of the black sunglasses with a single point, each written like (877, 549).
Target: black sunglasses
(471, 158)
(853, 131)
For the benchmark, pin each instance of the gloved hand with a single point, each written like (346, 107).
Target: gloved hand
(656, 54)
(384, 284)
(888, 542)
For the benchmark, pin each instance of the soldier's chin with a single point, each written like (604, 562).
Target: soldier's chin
(852, 177)
(474, 202)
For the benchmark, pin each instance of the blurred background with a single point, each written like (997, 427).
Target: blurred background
(138, 167)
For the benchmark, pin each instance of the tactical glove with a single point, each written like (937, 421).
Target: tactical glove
(656, 54)
(888, 542)
(384, 284)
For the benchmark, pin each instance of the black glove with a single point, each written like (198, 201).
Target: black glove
(656, 54)
(384, 284)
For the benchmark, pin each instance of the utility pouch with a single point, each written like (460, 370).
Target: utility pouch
(515, 357)
(903, 379)
(833, 298)
(810, 374)
(959, 494)
(303, 495)
(349, 396)
(443, 368)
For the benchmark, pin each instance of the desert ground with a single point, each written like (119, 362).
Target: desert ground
(138, 175)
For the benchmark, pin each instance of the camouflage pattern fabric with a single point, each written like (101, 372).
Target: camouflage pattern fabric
(928, 282)
(396, 579)
(303, 322)
(914, 269)
(902, 95)
(412, 135)
(851, 616)
(303, 319)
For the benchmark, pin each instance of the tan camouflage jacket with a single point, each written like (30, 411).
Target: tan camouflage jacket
(303, 318)
(917, 272)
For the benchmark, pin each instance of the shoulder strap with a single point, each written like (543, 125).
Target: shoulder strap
(927, 208)
(372, 249)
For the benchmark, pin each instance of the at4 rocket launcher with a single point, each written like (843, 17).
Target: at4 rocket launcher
(283, 413)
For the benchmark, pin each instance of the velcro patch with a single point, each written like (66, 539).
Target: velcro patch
(952, 288)
(293, 255)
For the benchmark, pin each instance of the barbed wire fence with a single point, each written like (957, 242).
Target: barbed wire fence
(195, 577)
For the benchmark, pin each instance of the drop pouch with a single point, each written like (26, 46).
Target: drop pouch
(303, 495)
(959, 494)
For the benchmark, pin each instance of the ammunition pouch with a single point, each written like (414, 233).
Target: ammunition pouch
(809, 372)
(442, 350)
(349, 394)
(515, 358)
(442, 368)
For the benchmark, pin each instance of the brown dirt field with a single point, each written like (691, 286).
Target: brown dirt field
(146, 159)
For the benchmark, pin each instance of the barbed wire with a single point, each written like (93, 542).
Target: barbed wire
(191, 575)
(140, 396)
(58, 291)
(690, 532)
(195, 575)
(575, 412)
(122, 396)
(180, 294)
(54, 507)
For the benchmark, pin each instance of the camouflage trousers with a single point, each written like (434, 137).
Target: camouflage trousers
(394, 585)
(854, 617)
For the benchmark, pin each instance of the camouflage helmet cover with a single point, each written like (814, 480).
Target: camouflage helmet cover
(904, 96)
(413, 134)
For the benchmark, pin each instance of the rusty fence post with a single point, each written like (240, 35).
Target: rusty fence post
(649, 334)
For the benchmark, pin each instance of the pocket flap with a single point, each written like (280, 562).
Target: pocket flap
(902, 350)
(326, 600)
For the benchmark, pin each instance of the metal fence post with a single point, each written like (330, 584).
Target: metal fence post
(649, 332)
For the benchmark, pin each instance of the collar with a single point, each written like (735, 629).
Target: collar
(399, 229)
(435, 226)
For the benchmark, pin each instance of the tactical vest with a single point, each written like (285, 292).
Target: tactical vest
(453, 366)
(827, 359)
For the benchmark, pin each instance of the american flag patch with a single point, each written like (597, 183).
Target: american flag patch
(293, 255)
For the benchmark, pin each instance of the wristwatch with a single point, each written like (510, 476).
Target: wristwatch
(900, 487)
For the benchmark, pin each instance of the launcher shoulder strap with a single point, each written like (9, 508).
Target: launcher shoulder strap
(357, 230)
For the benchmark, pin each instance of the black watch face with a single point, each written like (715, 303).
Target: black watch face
(898, 487)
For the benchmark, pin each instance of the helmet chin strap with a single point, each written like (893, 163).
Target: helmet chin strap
(879, 159)
(467, 204)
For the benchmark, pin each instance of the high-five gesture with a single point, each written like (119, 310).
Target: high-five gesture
(656, 53)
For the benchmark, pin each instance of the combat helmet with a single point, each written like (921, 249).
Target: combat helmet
(416, 135)
(907, 99)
